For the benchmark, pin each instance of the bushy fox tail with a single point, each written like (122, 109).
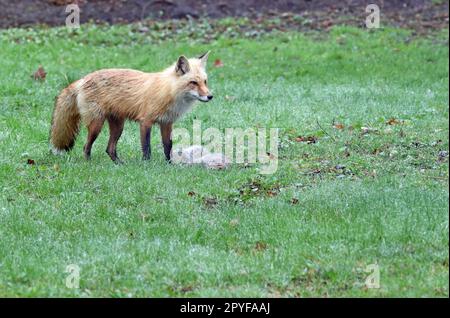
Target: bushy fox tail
(65, 122)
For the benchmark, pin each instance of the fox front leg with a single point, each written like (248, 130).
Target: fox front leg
(166, 136)
(146, 129)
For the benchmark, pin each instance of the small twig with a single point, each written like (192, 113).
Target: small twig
(318, 124)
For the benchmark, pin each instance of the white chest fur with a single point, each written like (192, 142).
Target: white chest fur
(181, 106)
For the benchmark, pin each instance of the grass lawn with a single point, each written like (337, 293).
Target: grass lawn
(355, 196)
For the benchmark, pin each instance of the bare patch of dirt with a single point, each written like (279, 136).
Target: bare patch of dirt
(420, 15)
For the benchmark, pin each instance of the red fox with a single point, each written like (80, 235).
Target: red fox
(116, 95)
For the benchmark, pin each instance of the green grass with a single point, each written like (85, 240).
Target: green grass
(310, 229)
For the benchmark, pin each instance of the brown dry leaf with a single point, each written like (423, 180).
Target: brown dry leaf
(294, 201)
(30, 162)
(393, 121)
(307, 139)
(191, 193)
(218, 63)
(272, 193)
(338, 126)
(376, 151)
(186, 289)
(260, 246)
(40, 74)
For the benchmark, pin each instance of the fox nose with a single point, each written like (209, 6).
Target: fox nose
(210, 97)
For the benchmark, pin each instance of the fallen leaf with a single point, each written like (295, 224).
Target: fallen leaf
(30, 162)
(338, 126)
(393, 121)
(40, 74)
(234, 222)
(191, 193)
(186, 289)
(260, 246)
(272, 193)
(218, 63)
(307, 139)
(294, 201)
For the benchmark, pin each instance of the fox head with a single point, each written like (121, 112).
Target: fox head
(192, 80)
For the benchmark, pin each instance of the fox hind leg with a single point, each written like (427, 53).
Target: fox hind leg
(115, 131)
(94, 129)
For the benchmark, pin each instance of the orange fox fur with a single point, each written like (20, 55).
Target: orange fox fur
(116, 95)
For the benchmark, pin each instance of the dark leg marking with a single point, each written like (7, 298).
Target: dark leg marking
(166, 136)
(146, 128)
(115, 131)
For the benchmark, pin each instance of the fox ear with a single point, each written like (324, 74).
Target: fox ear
(182, 66)
(204, 58)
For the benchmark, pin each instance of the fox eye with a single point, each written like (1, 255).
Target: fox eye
(193, 83)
